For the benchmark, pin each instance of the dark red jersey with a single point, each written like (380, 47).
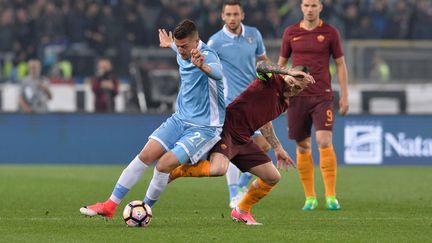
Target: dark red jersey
(260, 103)
(312, 48)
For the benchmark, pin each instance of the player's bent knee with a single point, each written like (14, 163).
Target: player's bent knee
(165, 168)
(167, 163)
(218, 164)
(145, 158)
(273, 179)
(218, 168)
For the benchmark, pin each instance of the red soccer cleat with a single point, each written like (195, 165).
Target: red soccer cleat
(98, 209)
(244, 217)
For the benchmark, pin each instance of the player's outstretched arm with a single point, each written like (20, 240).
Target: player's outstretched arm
(284, 160)
(165, 38)
(213, 71)
(266, 68)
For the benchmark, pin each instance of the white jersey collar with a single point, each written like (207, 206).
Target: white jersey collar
(231, 35)
(200, 43)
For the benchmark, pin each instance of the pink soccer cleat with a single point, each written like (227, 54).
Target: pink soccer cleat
(245, 217)
(98, 209)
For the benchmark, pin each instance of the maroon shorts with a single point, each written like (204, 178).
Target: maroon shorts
(303, 111)
(243, 155)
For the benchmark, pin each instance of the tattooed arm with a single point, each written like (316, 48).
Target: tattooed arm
(269, 134)
(283, 158)
(266, 67)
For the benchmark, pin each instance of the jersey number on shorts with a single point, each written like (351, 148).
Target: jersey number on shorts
(195, 138)
(329, 118)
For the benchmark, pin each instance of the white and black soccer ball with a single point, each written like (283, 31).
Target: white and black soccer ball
(137, 214)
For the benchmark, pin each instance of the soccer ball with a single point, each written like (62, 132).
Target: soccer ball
(137, 214)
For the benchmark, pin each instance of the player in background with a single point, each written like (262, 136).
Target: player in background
(239, 47)
(255, 108)
(311, 42)
(191, 131)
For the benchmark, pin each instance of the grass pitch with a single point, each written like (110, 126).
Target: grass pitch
(379, 204)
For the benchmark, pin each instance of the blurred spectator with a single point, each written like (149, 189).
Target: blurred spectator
(422, 20)
(88, 28)
(50, 25)
(379, 16)
(380, 70)
(93, 34)
(105, 87)
(210, 25)
(351, 18)
(399, 21)
(7, 33)
(35, 93)
(61, 72)
(76, 23)
(24, 33)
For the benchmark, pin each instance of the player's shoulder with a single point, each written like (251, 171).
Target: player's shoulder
(206, 49)
(251, 30)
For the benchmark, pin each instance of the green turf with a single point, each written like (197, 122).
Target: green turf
(379, 204)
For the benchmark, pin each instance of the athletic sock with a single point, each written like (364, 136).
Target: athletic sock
(328, 165)
(129, 177)
(200, 169)
(244, 180)
(256, 192)
(232, 177)
(305, 167)
(156, 187)
(110, 205)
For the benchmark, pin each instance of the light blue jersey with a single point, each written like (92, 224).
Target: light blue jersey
(200, 100)
(238, 56)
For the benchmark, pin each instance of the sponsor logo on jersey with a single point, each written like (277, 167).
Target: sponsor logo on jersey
(296, 38)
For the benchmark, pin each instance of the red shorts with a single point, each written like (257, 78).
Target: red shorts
(243, 155)
(303, 111)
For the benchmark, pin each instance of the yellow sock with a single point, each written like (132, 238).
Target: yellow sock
(305, 167)
(257, 190)
(328, 166)
(200, 169)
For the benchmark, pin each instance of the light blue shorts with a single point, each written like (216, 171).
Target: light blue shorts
(180, 137)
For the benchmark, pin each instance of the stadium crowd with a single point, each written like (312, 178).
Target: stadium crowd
(44, 29)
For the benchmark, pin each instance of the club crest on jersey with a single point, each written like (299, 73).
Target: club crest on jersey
(249, 40)
(223, 146)
(320, 38)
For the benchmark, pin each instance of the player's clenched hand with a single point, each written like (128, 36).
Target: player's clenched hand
(302, 76)
(165, 39)
(197, 58)
(283, 159)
